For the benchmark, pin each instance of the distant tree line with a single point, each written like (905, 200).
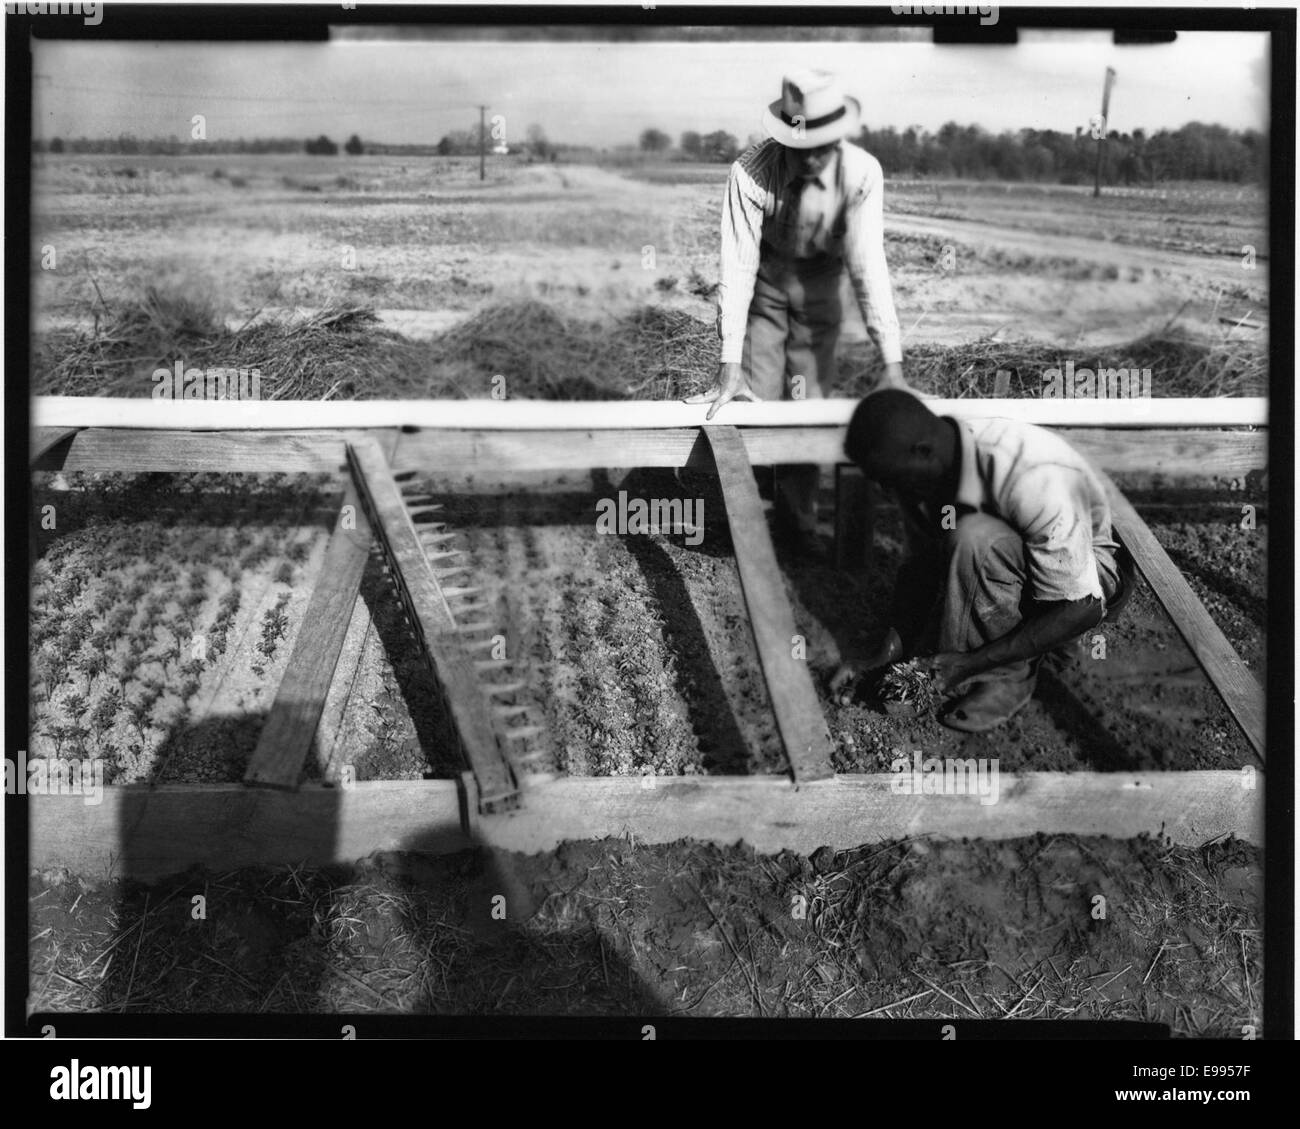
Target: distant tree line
(128, 145)
(1192, 152)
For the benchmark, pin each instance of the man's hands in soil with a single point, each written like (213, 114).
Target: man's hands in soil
(888, 650)
(732, 385)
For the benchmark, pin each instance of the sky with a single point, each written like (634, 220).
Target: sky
(605, 94)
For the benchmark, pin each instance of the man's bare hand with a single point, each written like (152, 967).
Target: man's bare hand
(888, 650)
(949, 669)
(732, 385)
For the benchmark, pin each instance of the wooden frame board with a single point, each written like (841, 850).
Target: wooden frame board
(1240, 691)
(799, 717)
(617, 415)
(147, 833)
(1170, 451)
(290, 728)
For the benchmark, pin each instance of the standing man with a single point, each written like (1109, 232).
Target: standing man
(800, 207)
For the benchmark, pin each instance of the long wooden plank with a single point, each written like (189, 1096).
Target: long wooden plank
(616, 415)
(146, 833)
(333, 751)
(290, 728)
(1189, 807)
(1238, 688)
(136, 831)
(431, 619)
(1174, 452)
(789, 685)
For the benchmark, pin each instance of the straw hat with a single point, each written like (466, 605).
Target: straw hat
(813, 110)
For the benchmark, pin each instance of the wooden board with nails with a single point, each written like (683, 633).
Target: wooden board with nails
(431, 619)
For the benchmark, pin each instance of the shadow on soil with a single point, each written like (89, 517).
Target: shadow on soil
(413, 930)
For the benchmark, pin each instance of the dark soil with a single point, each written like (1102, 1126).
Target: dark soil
(1042, 927)
(635, 649)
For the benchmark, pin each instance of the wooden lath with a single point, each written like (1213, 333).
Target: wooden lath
(290, 728)
(147, 832)
(1238, 688)
(790, 689)
(1170, 451)
(616, 415)
(431, 619)
(1170, 443)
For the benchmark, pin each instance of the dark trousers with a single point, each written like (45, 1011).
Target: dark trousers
(794, 326)
(974, 590)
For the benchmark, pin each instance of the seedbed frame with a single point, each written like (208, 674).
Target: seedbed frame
(146, 831)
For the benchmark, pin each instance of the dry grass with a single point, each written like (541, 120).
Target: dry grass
(652, 353)
(909, 929)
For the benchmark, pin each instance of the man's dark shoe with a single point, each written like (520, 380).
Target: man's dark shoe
(988, 704)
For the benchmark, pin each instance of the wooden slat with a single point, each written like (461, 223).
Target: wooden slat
(332, 750)
(1238, 688)
(1226, 454)
(616, 415)
(431, 619)
(794, 701)
(182, 452)
(290, 728)
(146, 833)
(1189, 807)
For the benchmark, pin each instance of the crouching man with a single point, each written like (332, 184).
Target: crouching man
(1010, 553)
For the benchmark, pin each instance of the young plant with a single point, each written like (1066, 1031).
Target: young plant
(138, 713)
(93, 663)
(103, 716)
(74, 705)
(909, 687)
(274, 625)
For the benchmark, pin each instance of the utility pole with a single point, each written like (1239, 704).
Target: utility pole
(1105, 128)
(482, 143)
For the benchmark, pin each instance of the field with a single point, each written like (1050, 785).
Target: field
(379, 278)
(579, 282)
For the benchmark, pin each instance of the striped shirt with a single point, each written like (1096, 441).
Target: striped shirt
(1046, 491)
(840, 217)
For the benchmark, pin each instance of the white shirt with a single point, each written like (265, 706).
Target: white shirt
(1046, 491)
(840, 215)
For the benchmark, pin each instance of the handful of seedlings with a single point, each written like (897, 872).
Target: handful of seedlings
(907, 690)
